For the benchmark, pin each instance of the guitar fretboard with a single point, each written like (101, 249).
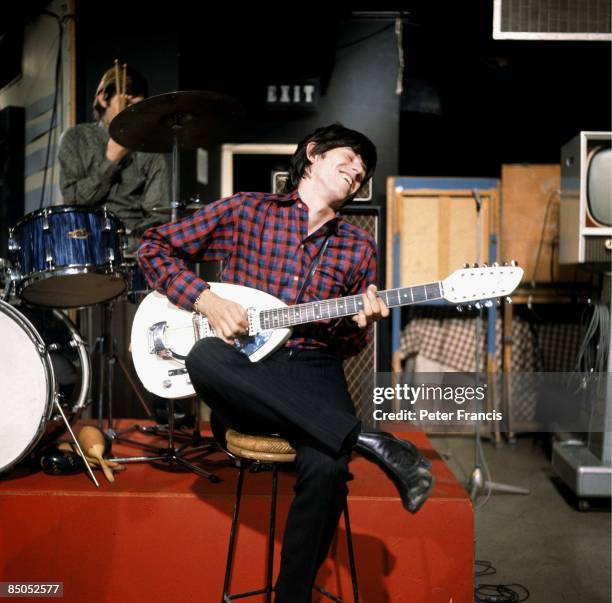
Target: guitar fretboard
(345, 306)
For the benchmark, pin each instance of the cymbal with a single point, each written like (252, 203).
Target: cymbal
(198, 117)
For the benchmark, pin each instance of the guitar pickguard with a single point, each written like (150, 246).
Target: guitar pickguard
(249, 345)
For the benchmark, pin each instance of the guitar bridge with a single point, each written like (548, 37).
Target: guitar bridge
(202, 328)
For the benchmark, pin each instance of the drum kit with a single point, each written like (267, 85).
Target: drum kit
(72, 257)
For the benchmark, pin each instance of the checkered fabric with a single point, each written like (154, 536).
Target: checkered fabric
(439, 335)
(262, 241)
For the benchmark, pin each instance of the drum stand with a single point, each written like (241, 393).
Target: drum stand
(171, 454)
(76, 442)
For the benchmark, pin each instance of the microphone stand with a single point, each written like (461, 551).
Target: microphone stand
(478, 480)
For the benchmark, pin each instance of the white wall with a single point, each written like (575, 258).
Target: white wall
(34, 91)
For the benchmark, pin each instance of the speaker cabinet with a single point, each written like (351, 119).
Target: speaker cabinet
(259, 166)
(360, 370)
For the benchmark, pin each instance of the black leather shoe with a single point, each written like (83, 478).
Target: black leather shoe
(405, 466)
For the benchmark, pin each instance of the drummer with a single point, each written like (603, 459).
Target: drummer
(97, 171)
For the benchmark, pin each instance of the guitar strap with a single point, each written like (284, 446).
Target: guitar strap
(319, 255)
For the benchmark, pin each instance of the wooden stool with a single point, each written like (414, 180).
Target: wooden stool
(251, 450)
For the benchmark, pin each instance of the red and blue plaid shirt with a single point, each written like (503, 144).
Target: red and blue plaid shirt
(262, 241)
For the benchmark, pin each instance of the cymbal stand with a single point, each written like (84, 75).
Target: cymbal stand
(170, 454)
(197, 443)
(173, 455)
(105, 346)
(174, 205)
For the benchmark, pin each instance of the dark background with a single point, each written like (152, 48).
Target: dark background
(469, 103)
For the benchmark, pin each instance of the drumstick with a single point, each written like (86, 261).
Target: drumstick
(120, 92)
(123, 84)
(117, 82)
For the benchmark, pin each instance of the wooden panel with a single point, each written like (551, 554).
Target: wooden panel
(530, 221)
(438, 232)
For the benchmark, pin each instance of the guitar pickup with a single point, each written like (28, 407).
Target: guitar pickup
(175, 372)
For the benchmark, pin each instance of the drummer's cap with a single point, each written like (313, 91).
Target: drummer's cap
(135, 85)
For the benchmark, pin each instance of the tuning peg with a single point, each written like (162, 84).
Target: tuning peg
(485, 265)
(495, 264)
(508, 300)
(475, 265)
(478, 305)
(469, 306)
(488, 304)
(505, 263)
(514, 263)
(466, 265)
(498, 301)
(459, 308)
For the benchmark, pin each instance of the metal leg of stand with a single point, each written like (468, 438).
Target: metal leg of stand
(172, 455)
(477, 481)
(101, 345)
(76, 442)
(134, 387)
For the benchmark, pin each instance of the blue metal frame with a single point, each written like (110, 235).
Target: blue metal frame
(412, 183)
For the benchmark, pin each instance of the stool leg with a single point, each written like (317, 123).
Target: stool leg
(232, 538)
(351, 554)
(271, 534)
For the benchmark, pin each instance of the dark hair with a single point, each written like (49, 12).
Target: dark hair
(135, 85)
(325, 139)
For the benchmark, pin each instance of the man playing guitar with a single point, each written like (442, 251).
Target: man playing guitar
(271, 242)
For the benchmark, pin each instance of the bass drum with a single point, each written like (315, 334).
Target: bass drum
(44, 360)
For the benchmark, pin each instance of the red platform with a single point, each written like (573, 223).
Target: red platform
(159, 535)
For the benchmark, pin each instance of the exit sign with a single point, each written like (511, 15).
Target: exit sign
(297, 95)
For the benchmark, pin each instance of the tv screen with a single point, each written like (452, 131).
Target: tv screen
(599, 187)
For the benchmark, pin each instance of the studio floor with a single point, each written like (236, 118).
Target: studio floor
(538, 540)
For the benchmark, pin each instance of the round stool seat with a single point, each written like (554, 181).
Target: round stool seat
(270, 449)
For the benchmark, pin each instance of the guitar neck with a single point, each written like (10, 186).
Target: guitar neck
(346, 306)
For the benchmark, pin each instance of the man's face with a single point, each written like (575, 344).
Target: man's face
(113, 106)
(340, 172)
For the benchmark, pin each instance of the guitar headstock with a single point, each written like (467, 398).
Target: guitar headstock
(474, 283)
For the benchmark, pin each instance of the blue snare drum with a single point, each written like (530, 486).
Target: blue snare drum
(68, 256)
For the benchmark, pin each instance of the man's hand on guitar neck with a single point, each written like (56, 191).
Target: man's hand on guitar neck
(227, 318)
(374, 308)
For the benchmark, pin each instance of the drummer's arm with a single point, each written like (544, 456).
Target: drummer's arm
(205, 236)
(78, 185)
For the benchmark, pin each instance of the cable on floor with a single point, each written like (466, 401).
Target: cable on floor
(496, 593)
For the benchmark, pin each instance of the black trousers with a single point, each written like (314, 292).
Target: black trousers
(302, 396)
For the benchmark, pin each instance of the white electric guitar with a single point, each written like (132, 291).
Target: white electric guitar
(163, 334)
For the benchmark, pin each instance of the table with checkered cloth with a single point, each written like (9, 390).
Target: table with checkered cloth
(448, 341)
